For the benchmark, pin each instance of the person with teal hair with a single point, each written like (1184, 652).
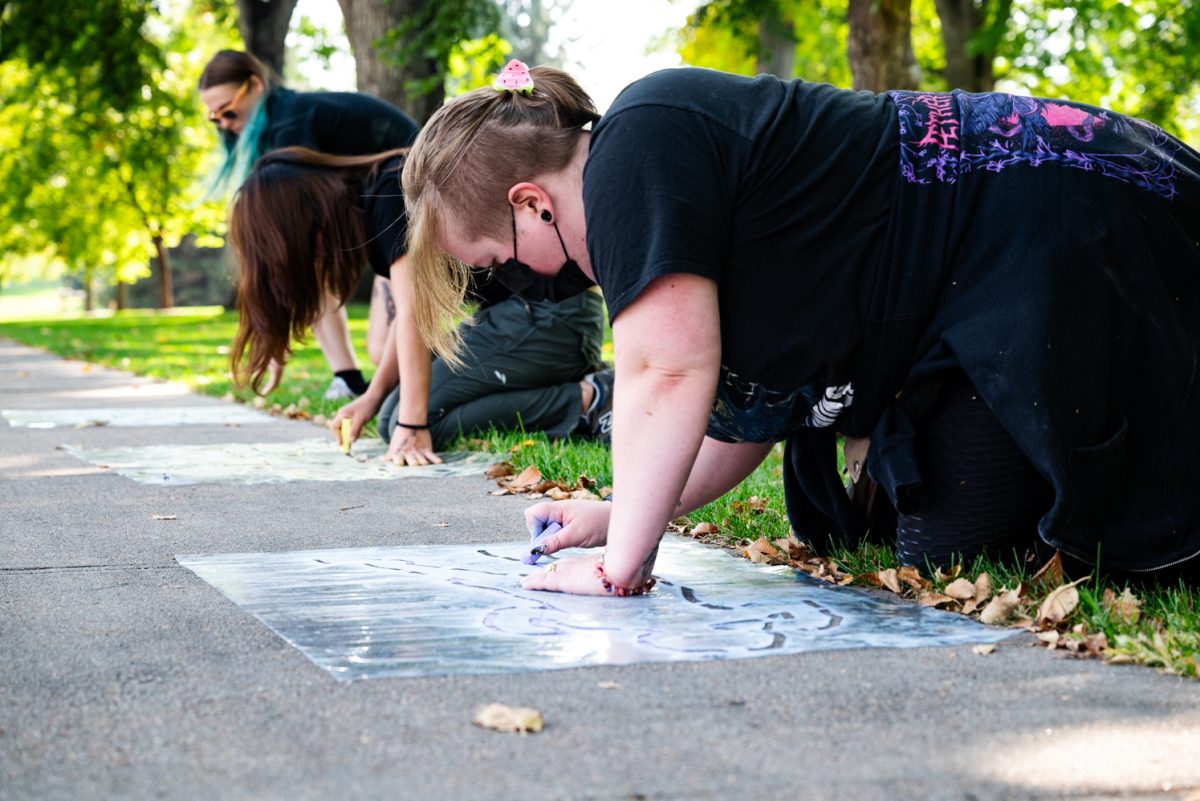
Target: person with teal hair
(256, 114)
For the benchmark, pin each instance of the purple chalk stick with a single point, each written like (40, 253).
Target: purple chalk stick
(531, 558)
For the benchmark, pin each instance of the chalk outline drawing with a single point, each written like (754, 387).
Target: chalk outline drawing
(317, 459)
(433, 610)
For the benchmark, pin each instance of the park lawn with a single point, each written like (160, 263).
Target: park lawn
(1158, 627)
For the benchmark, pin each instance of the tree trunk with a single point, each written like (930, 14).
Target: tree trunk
(264, 26)
(122, 295)
(776, 45)
(166, 292)
(89, 297)
(367, 21)
(880, 45)
(962, 20)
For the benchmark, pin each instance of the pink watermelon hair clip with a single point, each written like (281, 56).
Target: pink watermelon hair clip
(514, 77)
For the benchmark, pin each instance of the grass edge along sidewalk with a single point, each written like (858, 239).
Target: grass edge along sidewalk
(1159, 627)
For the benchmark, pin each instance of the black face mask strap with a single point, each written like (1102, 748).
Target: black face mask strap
(566, 255)
(513, 212)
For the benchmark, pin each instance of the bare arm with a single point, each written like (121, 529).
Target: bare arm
(719, 467)
(667, 345)
(360, 410)
(410, 446)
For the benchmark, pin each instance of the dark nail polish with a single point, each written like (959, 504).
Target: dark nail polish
(536, 552)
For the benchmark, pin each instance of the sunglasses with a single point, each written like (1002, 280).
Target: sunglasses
(226, 111)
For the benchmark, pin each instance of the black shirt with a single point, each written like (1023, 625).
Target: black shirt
(342, 123)
(387, 230)
(779, 191)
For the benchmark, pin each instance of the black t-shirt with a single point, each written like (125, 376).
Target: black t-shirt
(387, 230)
(387, 220)
(341, 123)
(779, 191)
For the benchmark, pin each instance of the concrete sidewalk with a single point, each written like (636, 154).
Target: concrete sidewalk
(124, 676)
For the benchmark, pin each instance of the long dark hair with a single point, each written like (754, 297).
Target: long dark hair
(298, 231)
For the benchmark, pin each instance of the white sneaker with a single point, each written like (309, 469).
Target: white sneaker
(338, 389)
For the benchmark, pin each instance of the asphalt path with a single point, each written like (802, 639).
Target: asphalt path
(124, 676)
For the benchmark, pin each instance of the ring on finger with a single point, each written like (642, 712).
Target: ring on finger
(550, 568)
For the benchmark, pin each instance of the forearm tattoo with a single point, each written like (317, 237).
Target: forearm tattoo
(389, 304)
(648, 564)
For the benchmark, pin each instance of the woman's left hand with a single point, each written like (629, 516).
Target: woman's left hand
(571, 574)
(412, 447)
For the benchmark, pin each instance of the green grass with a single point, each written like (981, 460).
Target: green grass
(191, 346)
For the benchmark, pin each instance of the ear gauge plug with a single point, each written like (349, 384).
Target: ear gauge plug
(546, 215)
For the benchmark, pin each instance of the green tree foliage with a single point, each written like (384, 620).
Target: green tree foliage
(724, 34)
(1138, 57)
(433, 32)
(96, 49)
(99, 175)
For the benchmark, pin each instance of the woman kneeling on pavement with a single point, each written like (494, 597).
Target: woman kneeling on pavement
(1002, 293)
(303, 226)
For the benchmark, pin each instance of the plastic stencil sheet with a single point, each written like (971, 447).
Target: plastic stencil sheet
(436, 610)
(216, 415)
(270, 462)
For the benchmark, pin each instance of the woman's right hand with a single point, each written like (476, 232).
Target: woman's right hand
(359, 412)
(584, 524)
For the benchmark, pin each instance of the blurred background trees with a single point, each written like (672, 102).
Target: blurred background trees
(104, 148)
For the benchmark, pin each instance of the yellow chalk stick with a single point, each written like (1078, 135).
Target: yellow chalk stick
(346, 434)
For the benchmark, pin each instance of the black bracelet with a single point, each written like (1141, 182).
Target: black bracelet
(412, 428)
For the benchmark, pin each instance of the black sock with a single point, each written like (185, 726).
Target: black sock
(354, 379)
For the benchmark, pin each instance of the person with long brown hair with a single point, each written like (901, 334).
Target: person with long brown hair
(1000, 292)
(305, 224)
(255, 114)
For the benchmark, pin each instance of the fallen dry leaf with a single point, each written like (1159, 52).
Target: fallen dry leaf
(912, 577)
(983, 650)
(1000, 608)
(1059, 604)
(961, 589)
(529, 477)
(794, 548)
(1050, 574)
(556, 494)
(761, 551)
(509, 718)
(935, 599)
(1126, 608)
(752, 504)
(889, 579)
(1087, 645)
(969, 606)
(983, 588)
(500, 470)
(703, 529)
(944, 576)
(164, 517)
(1049, 637)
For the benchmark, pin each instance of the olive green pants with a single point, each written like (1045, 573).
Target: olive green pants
(524, 362)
